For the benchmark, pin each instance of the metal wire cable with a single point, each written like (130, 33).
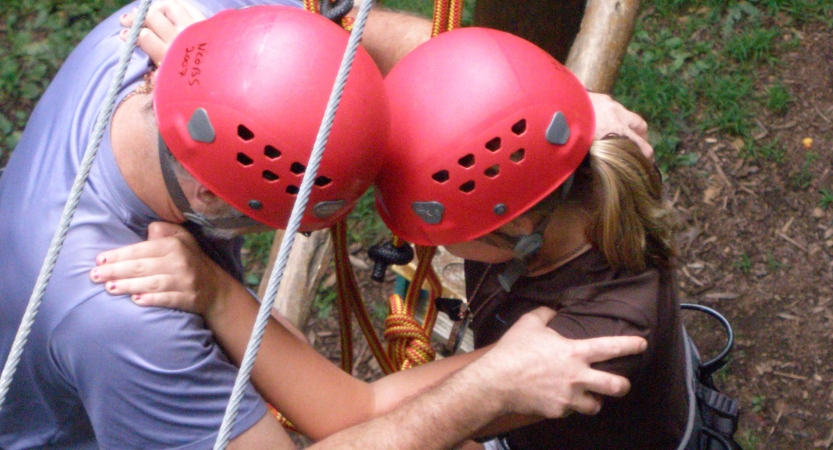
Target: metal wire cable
(69, 208)
(292, 228)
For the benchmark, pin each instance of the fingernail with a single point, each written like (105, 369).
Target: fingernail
(111, 285)
(137, 297)
(123, 16)
(101, 260)
(95, 274)
(124, 31)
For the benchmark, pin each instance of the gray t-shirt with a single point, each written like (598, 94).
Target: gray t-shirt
(97, 370)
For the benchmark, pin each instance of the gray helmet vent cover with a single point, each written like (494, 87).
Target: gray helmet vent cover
(200, 128)
(558, 132)
(430, 212)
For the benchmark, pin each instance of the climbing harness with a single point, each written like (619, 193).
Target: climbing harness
(71, 204)
(713, 416)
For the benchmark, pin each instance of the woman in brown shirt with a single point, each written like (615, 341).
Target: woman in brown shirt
(491, 157)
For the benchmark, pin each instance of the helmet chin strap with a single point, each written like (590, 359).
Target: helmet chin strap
(528, 245)
(181, 201)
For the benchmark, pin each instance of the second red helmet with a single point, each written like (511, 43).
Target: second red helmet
(484, 125)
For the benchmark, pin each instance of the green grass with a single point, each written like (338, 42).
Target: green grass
(826, 198)
(38, 36)
(683, 80)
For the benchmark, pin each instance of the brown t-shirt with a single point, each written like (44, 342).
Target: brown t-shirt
(594, 300)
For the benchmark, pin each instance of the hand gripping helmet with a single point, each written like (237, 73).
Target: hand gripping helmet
(484, 125)
(239, 99)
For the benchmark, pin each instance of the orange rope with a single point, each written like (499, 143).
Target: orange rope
(351, 298)
(312, 6)
(409, 342)
(448, 15)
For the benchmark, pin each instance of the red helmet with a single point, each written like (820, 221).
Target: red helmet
(484, 125)
(239, 100)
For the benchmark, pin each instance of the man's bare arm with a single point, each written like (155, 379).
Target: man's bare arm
(531, 371)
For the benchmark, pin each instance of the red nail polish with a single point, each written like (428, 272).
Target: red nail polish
(95, 274)
(111, 285)
(137, 297)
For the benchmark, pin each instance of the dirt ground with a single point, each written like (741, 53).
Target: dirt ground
(757, 246)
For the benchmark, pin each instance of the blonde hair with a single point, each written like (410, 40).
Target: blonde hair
(629, 223)
(621, 191)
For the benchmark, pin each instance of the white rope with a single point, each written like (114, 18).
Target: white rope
(70, 206)
(292, 228)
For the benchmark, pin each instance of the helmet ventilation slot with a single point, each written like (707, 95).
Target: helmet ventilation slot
(297, 168)
(268, 175)
(467, 187)
(493, 171)
(466, 161)
(245, 133)
(493, 145)
(271, 152)
(244, 159)
(519, 127)
(322, 181)
(517, 156)
(440, 176)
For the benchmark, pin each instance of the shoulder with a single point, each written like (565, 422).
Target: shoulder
(107, 331)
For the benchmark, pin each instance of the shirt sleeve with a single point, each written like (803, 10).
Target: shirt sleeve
(623, 307)
(148, 377)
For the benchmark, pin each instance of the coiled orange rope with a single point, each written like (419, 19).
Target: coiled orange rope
(409, 342)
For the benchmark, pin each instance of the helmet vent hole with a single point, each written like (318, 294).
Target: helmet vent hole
(467, 187)
(243, 159)
(493, 145)
(466, 161)
(245, 133)
(322, 181)
(517, 156)
(492, 172)
(519, 127)
(269, 175)
(292, 190)
(271, 152)
(297, 168)
(441, 176)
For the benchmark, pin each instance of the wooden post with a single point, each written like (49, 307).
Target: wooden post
(600, 46)
(305, 268)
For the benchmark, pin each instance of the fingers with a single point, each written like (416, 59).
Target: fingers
(613, 118)
(158, 230)
(643, 143)
(164, 21)
(585, 403)
(150, 43)
(597, 382)
(542, 313)
(604, 348)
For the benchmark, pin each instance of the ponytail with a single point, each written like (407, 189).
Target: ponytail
(629, 223)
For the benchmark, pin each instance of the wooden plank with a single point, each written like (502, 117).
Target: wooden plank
(304, 272)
